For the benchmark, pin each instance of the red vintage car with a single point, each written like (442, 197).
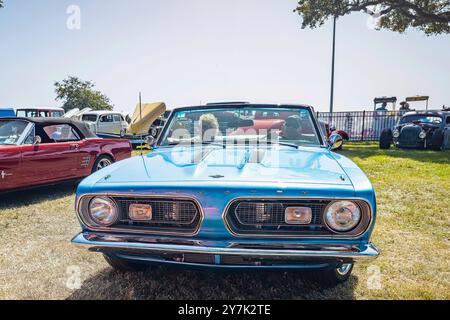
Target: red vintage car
(40, 151)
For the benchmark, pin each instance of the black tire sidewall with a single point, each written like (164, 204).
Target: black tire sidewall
(437, 140)
(386, 139)
(94, 167)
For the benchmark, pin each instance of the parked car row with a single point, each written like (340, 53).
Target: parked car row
(228, 185)
(147, 120)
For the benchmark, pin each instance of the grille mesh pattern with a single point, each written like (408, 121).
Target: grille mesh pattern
(167, 215)
(267, 217)
(271, 213)
(164, 211)
(409, 136)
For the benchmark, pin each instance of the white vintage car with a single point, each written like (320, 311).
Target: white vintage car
(106, 122)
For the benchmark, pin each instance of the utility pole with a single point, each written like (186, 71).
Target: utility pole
(332, 65)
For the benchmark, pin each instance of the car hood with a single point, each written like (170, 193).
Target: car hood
(277, 165)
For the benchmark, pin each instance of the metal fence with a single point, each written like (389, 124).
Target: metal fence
(362, 125)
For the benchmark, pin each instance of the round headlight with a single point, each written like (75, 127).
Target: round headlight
(396, 134)
(103, 211)
(422, 135)
(342, 216)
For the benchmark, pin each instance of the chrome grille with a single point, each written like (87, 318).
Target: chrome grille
(409, 136)
(163, 212)
(168, 215)
(271, 213)
(267, 217)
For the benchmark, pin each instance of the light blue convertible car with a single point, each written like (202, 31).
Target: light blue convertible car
(233, 185)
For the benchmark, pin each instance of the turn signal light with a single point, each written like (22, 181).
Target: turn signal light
(140, 212)
(298, 215)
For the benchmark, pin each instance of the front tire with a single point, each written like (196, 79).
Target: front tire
(437, 140)
(123, 132)
(102, 162)
(123, 265)
(332, 277)
(386, 139)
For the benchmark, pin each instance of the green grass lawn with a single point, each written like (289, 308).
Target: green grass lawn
(412, 231)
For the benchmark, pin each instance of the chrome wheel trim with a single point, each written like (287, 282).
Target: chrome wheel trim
(103, 163)
(344, 269)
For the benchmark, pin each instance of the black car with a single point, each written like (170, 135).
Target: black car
(419, 130)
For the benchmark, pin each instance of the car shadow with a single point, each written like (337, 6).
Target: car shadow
(36, 195)
(171, 284)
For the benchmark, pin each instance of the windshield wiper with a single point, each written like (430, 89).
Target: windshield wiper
(285, 144)
(203, 143)
(224, 145)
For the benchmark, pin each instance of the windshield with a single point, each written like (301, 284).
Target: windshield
(11, 131)
(422, 119)
(293, 126)
(89, 117)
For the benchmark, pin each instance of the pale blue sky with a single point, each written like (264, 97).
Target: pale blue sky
(192, 51)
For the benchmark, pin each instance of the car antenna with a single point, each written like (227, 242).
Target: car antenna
(140, 116)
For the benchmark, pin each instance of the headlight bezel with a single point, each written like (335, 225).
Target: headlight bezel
(422, 135)
(93, 222)
(396, 133)
(355, 228)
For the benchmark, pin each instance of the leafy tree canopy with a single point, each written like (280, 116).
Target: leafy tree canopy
(76, 93)
(430, 16)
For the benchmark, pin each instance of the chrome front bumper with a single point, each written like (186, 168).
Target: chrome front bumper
(140, 248)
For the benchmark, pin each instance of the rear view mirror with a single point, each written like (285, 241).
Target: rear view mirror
(150, 141)
(241, 123)
(246, 123)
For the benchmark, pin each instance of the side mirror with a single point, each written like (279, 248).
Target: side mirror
(336, 141)
(154, 131)
(37, 140)
(150, 140)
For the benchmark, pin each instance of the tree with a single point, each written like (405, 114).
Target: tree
(1, 3)
(430, 16)
(76, 93)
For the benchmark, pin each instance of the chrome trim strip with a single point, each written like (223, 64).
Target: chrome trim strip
(141, 196)
(358, 226)
(107, 244)
(336, 235)
(26, 132)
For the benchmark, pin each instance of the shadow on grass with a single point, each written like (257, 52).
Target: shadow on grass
(365, 150)
(170, 283)
(36, 195)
